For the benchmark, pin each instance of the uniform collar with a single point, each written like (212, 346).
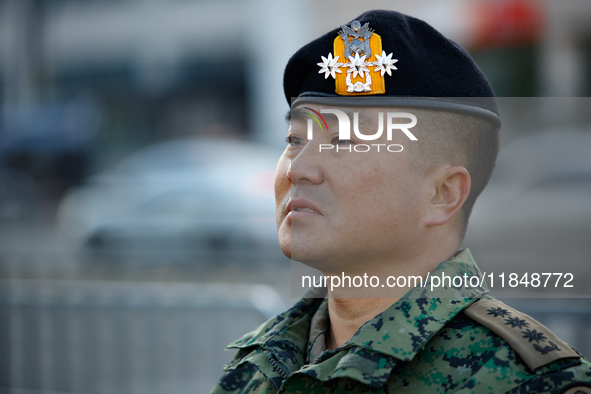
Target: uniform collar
(285, 335)
(399, 332)
(403, 329)
(319, 326)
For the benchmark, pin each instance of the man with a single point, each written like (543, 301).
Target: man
(392, 205)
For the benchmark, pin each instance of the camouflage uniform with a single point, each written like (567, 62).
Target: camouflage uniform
(463, 341)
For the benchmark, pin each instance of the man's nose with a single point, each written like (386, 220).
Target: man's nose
(306, 167)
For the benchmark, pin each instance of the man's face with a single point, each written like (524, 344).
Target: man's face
(338, 209)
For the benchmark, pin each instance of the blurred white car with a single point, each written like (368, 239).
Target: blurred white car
(181, 196)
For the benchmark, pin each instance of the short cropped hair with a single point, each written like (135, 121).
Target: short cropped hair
(457, 139)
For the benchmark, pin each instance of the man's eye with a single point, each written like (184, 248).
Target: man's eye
(337, 141)
(294, 141)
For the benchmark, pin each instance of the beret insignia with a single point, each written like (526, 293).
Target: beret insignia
(388, 59)
(363, 62)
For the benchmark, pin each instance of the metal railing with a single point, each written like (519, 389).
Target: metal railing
(123, 337)
(61, 336)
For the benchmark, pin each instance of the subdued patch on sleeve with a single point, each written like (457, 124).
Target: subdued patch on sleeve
(531, 340)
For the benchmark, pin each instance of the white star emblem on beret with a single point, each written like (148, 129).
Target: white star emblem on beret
(357, 65)
(385, 63)
(329, 66)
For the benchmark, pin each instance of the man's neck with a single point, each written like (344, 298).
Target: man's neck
(347, 315)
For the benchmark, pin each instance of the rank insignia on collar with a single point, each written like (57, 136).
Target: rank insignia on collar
(365, 63)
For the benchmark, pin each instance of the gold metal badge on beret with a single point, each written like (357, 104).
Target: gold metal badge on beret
(363, 48)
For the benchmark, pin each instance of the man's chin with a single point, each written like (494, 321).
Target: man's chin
(285, 242)
(286, 250)
(307, 255)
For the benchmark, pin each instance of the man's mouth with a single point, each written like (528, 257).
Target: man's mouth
(305, 210)
(300, 205)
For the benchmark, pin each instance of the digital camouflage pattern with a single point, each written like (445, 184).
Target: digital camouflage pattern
(423, 343)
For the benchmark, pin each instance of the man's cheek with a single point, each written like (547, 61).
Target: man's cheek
(372, 177)
(282, 182)
(281, 188)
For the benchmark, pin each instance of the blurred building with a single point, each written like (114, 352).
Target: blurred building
(156, 68)
(159, 68)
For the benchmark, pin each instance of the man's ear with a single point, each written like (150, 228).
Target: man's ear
(451, 189)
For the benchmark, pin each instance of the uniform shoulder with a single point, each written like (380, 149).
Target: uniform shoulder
(531, 340)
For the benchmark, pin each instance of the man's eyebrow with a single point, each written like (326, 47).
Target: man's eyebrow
(295, 114)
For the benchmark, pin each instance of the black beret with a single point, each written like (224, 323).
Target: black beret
(431, 71)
